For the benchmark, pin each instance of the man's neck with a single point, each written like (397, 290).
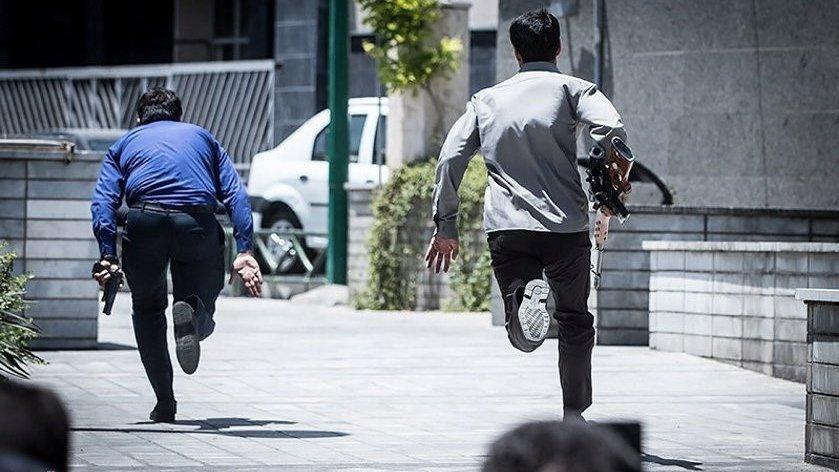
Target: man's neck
(538, 66)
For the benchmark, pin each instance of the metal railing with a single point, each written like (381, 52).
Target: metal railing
(234, 100)
(272, 247)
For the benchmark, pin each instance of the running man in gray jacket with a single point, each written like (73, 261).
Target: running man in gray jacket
(535, 208)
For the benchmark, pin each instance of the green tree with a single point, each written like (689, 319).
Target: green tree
(407, 56)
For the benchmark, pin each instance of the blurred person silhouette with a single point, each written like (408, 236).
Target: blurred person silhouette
(535, 208)
(171, 175)
(566, 446)
(34, 429)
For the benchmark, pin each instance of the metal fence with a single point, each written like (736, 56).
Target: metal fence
(234, 100)
(268, 249)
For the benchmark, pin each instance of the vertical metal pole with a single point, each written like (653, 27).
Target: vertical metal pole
(338, 151)
(597, 13)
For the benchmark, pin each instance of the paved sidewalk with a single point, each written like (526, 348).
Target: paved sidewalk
(303, 388)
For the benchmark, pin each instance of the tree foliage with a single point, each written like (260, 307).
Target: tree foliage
(407, 56)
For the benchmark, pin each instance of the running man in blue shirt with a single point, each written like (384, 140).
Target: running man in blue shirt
(171, 175)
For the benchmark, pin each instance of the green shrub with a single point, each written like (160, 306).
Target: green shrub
(15, 331)
(402, 209)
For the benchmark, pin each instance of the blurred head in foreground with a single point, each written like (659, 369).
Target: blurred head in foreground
(34, 429)
(554, 446)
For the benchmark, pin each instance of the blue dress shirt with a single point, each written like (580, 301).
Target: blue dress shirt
(170, 163)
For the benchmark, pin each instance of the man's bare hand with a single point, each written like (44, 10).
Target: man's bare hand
(108, 269)
(441, 252)
(246, 267)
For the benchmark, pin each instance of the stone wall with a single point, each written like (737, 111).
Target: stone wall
(720, 99)
(623, 300)
(45, 216)
(735, 301)
(821, 438)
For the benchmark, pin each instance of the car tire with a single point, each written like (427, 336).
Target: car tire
(282, 218)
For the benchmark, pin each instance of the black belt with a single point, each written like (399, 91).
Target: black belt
(152, 206)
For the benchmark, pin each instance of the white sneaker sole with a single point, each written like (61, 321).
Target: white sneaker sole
(533, 312)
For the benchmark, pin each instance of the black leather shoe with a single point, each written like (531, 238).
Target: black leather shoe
(187, 346)
(164, 412)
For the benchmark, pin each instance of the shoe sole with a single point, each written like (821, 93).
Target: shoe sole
(533, 312)
(162, 418)
(187, 347)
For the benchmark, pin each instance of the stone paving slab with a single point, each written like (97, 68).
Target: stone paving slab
(285, 386)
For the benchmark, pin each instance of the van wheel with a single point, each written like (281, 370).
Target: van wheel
(280, 248)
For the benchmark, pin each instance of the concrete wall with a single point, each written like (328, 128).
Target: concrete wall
(732, 103)
(45, 216)
(821, 438)
(299, 35)
(623, 300)
(735, 302)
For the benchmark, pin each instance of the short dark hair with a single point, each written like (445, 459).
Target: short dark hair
(159, 104)
(34, 426)
(535, 36)
(568, 446)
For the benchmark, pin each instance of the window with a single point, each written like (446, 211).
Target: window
(356, 127)
(230, 36)
(380, 143)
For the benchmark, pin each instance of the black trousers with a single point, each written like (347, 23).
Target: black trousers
(192, 245)
(519, 256)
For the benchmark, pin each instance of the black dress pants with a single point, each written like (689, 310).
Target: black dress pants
(519, 256)
(192, 244)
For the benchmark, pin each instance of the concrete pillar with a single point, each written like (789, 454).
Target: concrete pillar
(418, 121)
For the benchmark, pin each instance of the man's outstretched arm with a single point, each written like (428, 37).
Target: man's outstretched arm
(235, 199)
(107, 196)
(461, 144)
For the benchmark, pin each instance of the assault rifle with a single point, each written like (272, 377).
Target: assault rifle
(608, 178)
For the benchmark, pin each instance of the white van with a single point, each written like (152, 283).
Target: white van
(289, 185)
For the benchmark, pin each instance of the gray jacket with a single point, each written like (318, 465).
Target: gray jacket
(526, 128)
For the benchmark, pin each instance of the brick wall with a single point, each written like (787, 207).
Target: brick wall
(623, 300)
(45, 216)
(735, 302)
(821, 437)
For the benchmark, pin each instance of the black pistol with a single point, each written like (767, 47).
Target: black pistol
(109, 291)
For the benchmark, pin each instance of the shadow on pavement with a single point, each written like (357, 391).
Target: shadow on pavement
(216, 425)
(114, 347)
(687, 465)
(222, 423)
(254, 433)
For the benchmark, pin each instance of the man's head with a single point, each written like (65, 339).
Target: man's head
(535, 36)
(159, 104)
(34, 429)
